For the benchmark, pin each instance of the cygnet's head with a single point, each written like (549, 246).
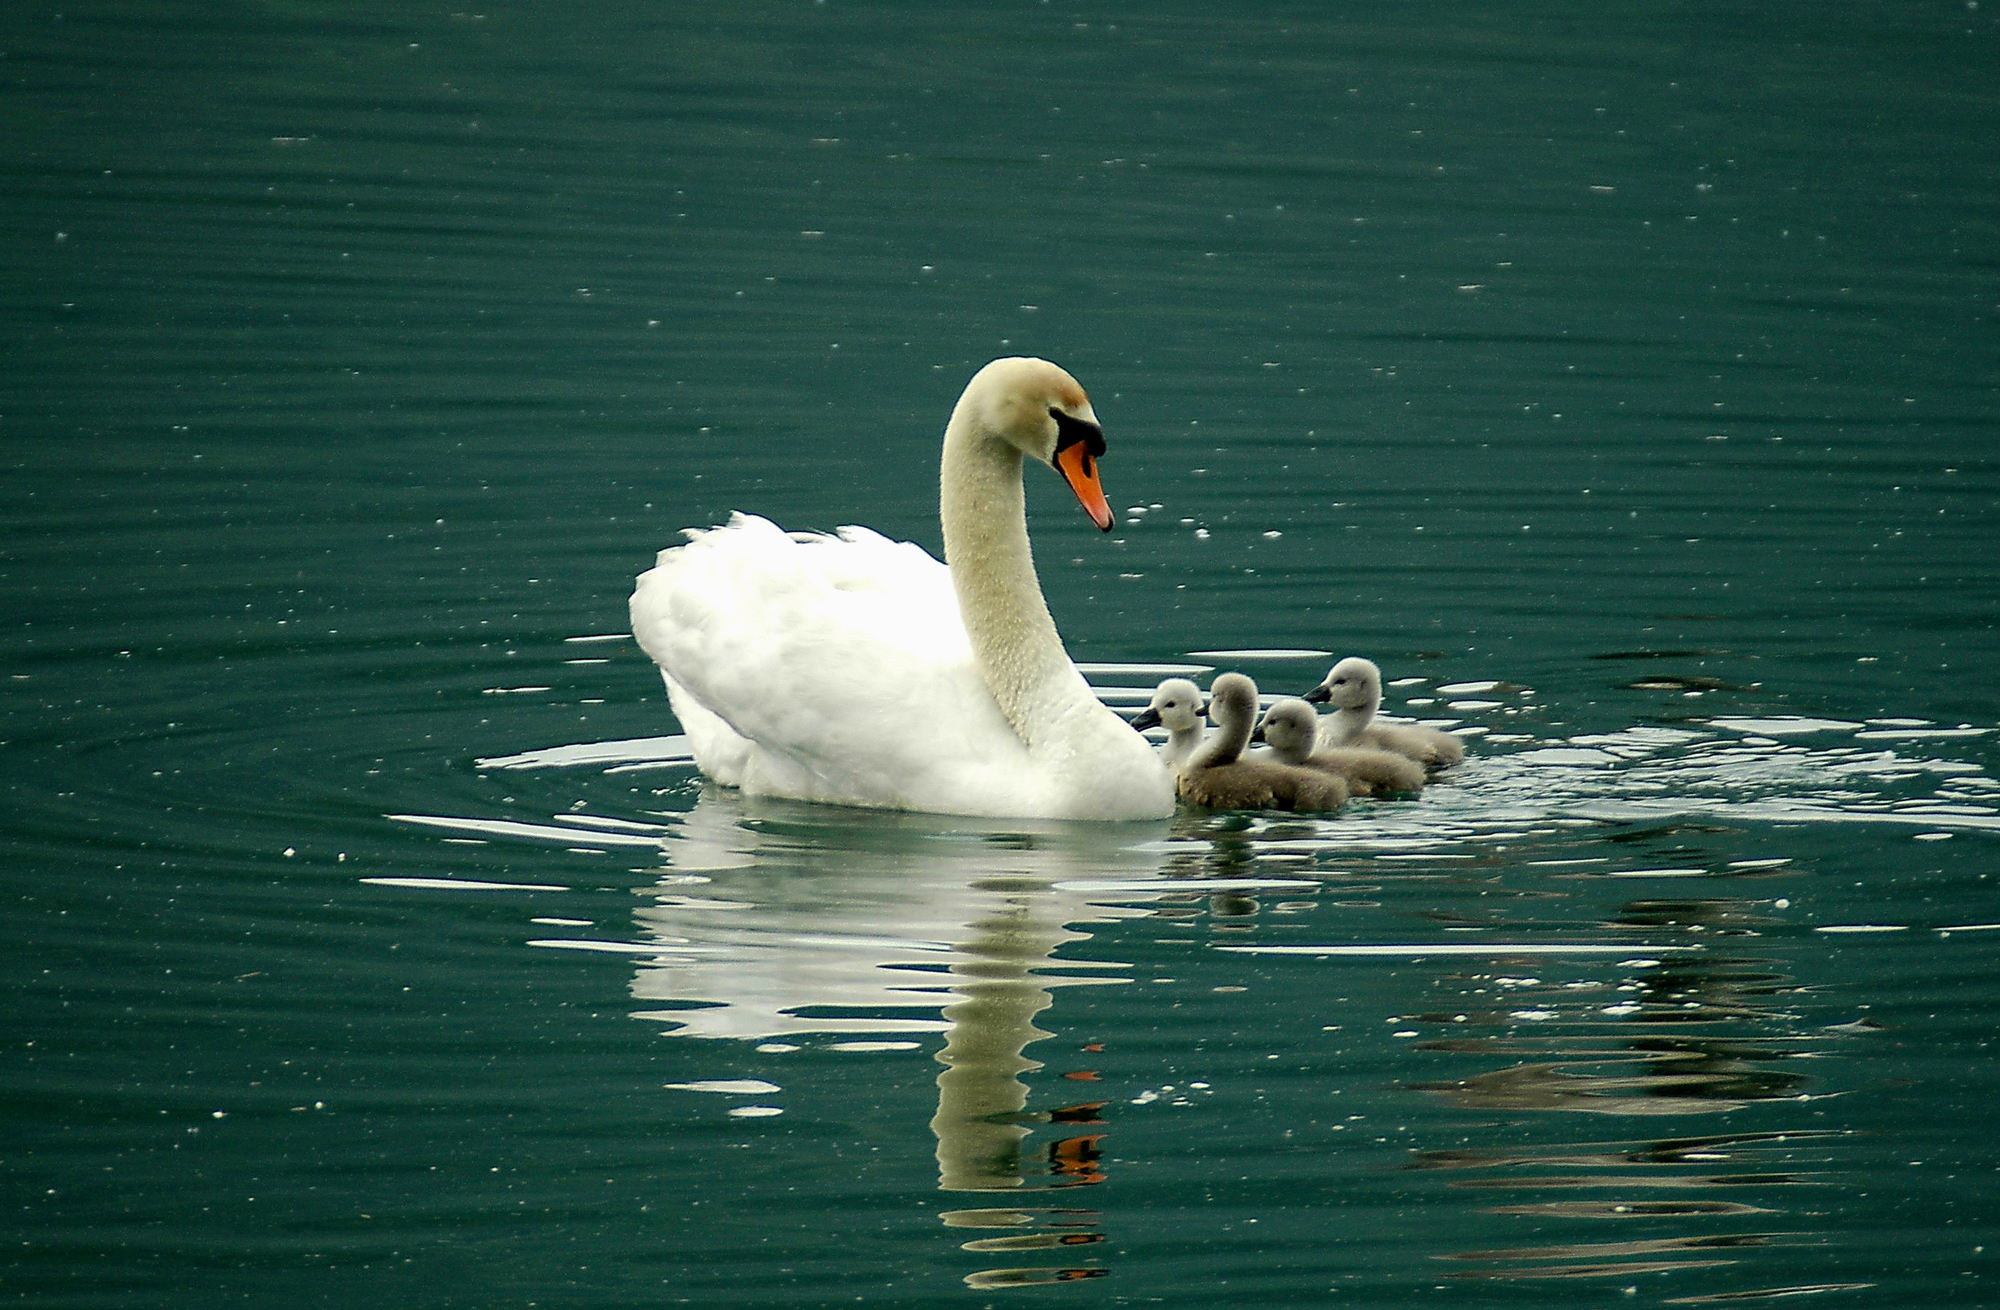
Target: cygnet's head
(1232, 698)
(1042, 411)
(1176, 705)
(1290, 727)
(1352, 684)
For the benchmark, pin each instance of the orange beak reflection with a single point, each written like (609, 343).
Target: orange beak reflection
(1080, 471)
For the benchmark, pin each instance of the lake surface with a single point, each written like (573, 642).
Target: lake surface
(1622, 380)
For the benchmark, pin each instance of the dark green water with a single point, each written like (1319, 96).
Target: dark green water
(1639, 360)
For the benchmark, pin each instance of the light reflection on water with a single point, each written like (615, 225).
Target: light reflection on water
(1700, 1035)
(793, 934)
(782, 926)
(914, 926)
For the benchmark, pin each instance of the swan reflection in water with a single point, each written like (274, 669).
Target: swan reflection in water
(776, 921)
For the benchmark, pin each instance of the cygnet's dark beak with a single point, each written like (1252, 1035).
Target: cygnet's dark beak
(1257, 737)
(1319, 695)
(1146, 718)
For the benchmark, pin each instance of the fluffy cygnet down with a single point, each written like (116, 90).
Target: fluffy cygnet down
(1176, 706)
(1216, 776)
(1291, 728)
(1354, 688)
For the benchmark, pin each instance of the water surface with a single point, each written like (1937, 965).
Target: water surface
(1622, 381)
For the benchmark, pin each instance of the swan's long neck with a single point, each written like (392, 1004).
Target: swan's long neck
(1013, 638)
(1232, 733)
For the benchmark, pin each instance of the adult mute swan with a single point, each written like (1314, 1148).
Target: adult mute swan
(1354, 687)
(1291, 728)
(1217, 778)
(855, 670)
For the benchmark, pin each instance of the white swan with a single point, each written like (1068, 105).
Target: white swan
(859, 671)
(1354, 687)
(1291, 728)
(1217, 778)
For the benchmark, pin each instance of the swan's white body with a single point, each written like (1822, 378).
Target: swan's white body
(855, 670)
(1354, 688)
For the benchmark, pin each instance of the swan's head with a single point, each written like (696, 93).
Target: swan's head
(1041, 410)
(1290, 727)
(1232, 698)
(1176, 705)
(1352, 684)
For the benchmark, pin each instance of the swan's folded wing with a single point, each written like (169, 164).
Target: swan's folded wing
(842, 659)
(721, 753)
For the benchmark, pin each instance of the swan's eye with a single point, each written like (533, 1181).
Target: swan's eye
(1070, 430)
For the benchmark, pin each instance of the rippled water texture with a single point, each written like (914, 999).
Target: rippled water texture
(1621, 379)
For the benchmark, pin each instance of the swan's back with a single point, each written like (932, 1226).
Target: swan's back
(747, 620)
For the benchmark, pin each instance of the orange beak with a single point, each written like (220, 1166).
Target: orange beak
(1080, 471)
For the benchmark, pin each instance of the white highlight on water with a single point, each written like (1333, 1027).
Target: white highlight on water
(1415, 950)
(727, 1086)
(465, 885)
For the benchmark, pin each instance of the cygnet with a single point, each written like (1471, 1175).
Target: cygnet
(1354, 688)
(1217, 778)
(1177, 706)
(1291, 728)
